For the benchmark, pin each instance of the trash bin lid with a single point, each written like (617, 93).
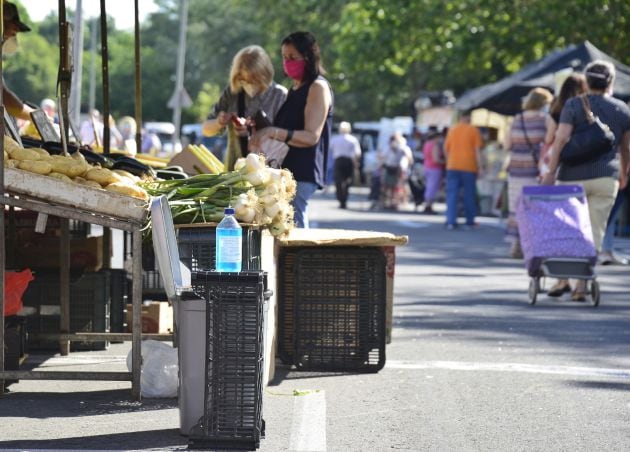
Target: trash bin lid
(175, 275)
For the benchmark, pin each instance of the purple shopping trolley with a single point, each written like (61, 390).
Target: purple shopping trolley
(556, 236)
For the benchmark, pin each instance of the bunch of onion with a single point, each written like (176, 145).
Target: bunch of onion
(269, 204)
(259, 194)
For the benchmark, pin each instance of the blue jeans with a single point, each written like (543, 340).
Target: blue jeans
(607, 242)
(303, 193)
(456, 180)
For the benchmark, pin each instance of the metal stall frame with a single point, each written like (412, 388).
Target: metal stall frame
(66, 212)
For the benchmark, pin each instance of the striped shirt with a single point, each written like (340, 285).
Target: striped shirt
(526, 136)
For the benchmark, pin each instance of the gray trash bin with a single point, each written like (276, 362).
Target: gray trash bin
(191, 352)
(190, 316)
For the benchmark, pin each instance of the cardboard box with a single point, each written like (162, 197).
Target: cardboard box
(189, 163)
(157, 317)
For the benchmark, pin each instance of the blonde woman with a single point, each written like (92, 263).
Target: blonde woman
(524, 142)
(251, 89)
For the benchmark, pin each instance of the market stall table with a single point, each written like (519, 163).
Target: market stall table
(68, 201)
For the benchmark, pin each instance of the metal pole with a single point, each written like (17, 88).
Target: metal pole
(105, 69)
(65, 72)
(179, 70)
(92, 90)
(138, 77)
(107, 232)
(2, 238)
(75, 93)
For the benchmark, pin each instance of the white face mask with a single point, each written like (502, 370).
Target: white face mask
(250, 89)
(10, 46)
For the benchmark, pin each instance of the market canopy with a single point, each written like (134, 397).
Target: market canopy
(505, 96)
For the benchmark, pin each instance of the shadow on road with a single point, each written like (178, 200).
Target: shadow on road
(147, 439)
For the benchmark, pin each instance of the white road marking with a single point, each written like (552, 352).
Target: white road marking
(308, 428)
(413, 224)
(512, 367)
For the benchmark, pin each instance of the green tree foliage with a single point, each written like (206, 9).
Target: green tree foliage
(379, 54)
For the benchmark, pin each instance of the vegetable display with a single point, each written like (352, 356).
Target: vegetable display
(71, 168)
(260, 195)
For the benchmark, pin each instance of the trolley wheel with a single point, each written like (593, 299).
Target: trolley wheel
(595, 293)
(534, 288)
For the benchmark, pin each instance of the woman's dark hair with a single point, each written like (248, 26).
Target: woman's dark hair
(574, 85)
(305, 43)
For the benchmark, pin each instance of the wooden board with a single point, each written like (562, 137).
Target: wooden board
(81, 197)
(43, 125)
(341, 237)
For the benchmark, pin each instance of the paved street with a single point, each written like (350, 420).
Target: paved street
(472, 366)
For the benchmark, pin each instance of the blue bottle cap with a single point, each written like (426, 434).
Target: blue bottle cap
(229, 211)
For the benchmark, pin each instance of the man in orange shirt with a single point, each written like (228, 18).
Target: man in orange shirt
(463, 163)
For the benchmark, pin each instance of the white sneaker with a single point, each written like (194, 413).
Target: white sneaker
(605, 258)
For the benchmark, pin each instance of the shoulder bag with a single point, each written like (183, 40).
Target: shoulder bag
(274, 151)
(589, 141)
(535, 152)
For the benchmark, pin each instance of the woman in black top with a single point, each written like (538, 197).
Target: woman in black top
(604, 175)
(304, 121)
(573, 85)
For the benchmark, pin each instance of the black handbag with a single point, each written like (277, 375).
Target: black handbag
(588, 141)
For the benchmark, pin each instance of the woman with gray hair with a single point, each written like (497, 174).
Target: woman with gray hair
(251, 89)
(603, 175)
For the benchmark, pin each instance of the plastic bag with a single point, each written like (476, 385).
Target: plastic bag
(159, 372)
(15, 284)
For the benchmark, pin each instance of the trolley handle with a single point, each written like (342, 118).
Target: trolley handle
(557, 197)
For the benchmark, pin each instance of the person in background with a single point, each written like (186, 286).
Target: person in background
(12, 26)
(463, 163)
(91, 131)
(434, 160)
(346, 152)
(608, 256)
(151, 143)
(603, 176)
(251, 89)
(524, 142)
(127, 128)
(573, 85)
(304, 121)
(49, 107)
(397, 162)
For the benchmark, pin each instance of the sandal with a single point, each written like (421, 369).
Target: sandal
(558, 289)
(579, 293)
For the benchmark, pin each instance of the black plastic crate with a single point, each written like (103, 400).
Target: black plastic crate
(197, 247)
(90, 301)
(286, 297)
(120, 293)
(234, 360)
(14, 341)
(26, 219)
(332, 308)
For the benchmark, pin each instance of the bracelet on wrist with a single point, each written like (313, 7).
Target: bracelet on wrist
(289, 135)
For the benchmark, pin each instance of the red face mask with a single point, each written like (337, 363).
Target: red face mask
(294, 68)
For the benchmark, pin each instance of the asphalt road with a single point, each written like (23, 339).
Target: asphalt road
(472, 366)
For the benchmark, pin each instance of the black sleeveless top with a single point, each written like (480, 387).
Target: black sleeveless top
(306, 164)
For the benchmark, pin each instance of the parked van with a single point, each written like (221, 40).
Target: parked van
(165, 132)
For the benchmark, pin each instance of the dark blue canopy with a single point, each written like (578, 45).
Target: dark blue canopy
(505, 96)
